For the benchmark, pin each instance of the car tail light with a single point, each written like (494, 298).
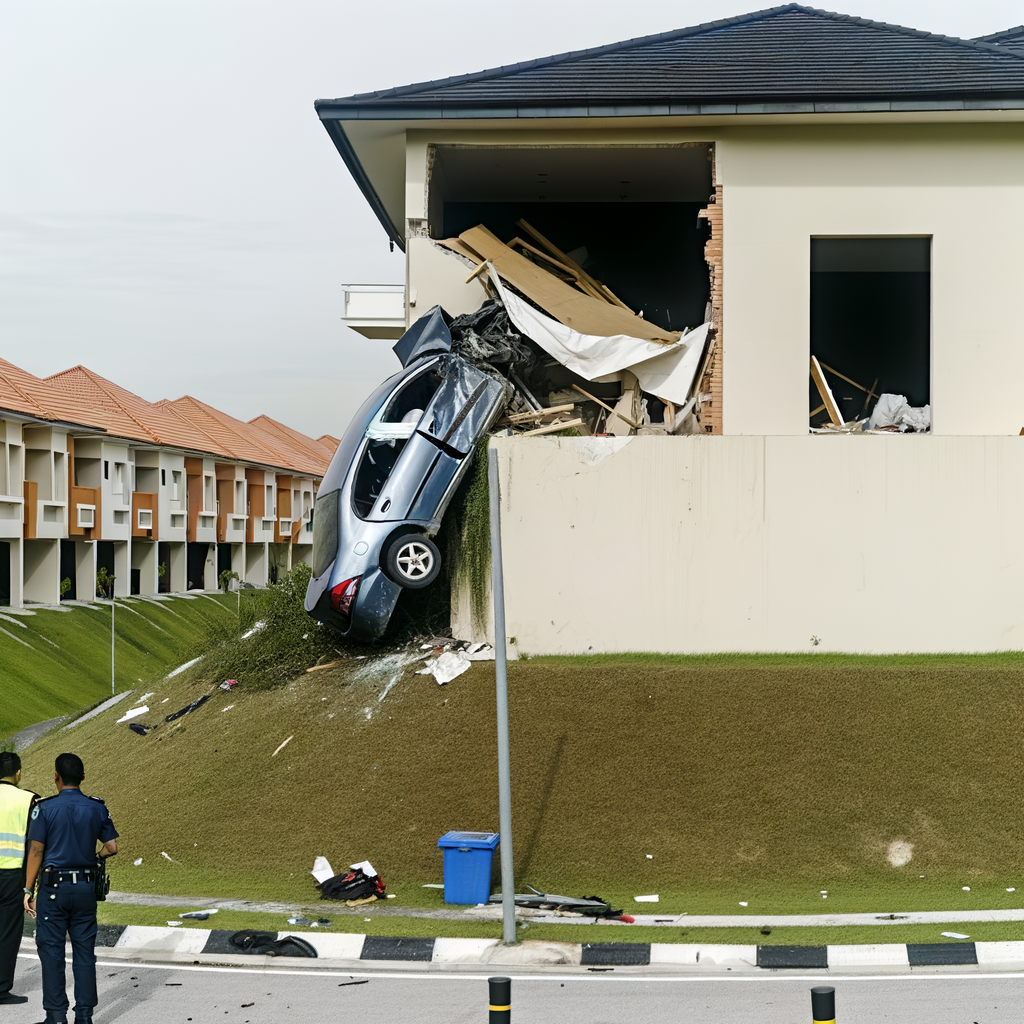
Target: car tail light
(343, 595)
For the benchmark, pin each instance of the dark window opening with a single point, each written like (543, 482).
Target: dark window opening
(375, 466)
(626, 214)
(5, 573)
(870, 322)
(195, 565)
(136, 587)
(408, 403)
(104, 560)
(106, 470)
(163, 558)
(69, 570)
(163, 477)
(223, 559)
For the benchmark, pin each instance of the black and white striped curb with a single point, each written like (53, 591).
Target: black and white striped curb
(139, 940)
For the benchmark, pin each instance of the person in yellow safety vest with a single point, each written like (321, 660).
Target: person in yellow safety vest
(15, 807)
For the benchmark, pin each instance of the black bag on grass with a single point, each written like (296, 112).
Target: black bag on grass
(269, 944)
(356, 885)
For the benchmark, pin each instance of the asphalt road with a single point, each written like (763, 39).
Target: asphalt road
(169, 994)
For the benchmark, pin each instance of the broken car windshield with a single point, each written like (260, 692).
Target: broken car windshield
(408, 403)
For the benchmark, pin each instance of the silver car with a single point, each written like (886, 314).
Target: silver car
(384, 494)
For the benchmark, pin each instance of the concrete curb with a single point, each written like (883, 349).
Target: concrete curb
(144, 942)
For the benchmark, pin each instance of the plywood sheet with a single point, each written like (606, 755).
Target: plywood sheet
(581, 312)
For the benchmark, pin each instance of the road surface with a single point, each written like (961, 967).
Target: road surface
(175, 994)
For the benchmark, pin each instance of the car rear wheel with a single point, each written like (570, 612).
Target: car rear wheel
(413, 561)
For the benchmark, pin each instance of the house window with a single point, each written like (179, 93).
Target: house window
(175, 485)
(145, 519)
(163, 477)
(870, 322)
(86, 516)
(106, 470)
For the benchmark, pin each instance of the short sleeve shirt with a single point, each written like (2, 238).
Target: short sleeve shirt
(69, 826)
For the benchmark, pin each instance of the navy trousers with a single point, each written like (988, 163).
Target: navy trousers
(68, 909)
(12, 921)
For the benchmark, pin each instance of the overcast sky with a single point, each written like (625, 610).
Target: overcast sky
(172, 213)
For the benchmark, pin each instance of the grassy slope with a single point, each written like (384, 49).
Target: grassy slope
(66, 663)
(755, 779)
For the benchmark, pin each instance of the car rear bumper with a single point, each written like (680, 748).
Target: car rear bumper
(371, 610)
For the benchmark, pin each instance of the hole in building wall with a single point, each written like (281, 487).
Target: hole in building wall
(871, 321)
(628, 215)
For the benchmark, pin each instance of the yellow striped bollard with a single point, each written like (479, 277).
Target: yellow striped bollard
(823, 1004)
(500, 991)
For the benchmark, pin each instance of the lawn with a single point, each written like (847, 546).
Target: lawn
(54, 662)
(710, 781)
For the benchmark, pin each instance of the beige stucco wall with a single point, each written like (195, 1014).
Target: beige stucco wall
(704, 544)
(962, 184)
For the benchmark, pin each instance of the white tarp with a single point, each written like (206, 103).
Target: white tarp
(663, 370)
(895, 410)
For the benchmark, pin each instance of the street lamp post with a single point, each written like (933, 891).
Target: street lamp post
(501, 683)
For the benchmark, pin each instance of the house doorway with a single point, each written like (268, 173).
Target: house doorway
(870, 321)
(5, 573)
(196, 566)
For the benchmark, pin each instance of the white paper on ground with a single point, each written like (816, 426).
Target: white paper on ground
(445, 668)
(134, 713)
(665, 370)
(366, 867)
(145, 696)
(322, 869)
(645, 899)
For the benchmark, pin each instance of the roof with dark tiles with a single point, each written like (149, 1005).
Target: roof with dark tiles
(788, 53)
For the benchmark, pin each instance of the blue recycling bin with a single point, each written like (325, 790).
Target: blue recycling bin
(467, 865)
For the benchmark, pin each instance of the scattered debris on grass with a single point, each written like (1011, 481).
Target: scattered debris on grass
(283, 745)
(954, 935)
(645, 899)
(229, 684)
(188, 709)
(355, 888)
(133, 713)
(198, 915)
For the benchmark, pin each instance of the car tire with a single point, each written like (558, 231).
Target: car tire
(413, 561)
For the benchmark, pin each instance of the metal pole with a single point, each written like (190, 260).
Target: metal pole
(111, 639)
(508, 885)
(823, 1004)
(499, 991)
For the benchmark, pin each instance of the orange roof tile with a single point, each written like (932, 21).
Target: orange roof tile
(318, 454)
(16, 387)
(329, 442)
(80, 396)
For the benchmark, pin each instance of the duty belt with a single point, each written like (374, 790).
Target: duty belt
(74, 876)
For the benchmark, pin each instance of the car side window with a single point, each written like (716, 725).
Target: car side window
(375, 466)
(408, 403)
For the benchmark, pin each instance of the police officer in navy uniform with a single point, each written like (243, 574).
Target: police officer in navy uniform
(63, 833)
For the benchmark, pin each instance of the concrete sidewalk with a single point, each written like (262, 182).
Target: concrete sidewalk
(383, 908)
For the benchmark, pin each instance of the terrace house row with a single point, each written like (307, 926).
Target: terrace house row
(164, 496)
(811, 185)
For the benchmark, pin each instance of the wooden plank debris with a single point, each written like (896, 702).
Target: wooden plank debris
(581, 312)
(552, 428)
(831, 407)
(601, 291)
(538, 414)
(607, 408)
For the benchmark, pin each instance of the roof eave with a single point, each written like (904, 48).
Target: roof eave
(361, 178)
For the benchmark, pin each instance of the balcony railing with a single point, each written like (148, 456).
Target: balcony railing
(375, 310)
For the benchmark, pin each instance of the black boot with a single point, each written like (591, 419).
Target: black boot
(10, 999)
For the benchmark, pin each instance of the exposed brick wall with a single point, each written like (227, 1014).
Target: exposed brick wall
(711, 380)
